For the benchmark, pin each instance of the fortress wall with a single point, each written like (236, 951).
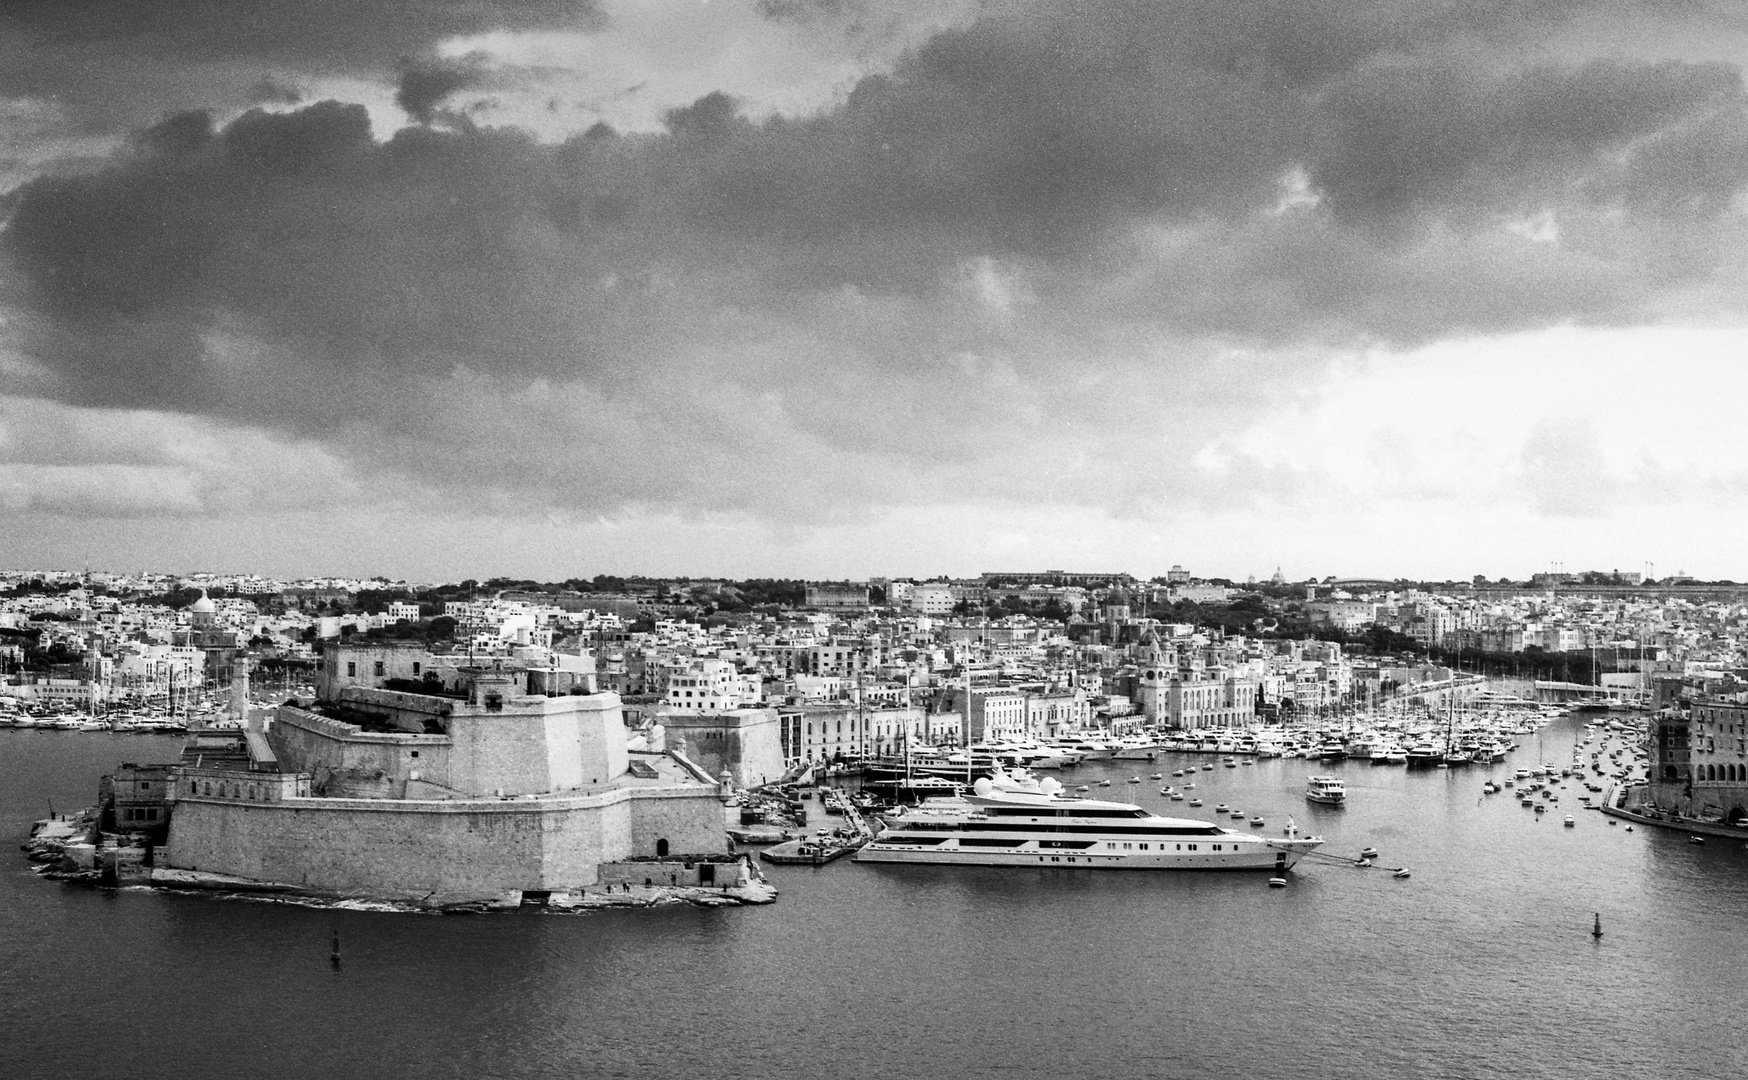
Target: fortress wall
(303, 741)
(692, 822)
(559, 744)
(505, 752)
(745, 742)
(565, 761)
(574, 845)
(601, 733)
(439, 852)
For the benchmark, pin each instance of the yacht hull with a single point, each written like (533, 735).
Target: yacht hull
(1279, 855)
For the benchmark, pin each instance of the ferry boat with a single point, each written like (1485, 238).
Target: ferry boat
(1326, 789)
(1026, 824)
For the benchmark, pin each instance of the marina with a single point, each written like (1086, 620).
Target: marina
(1492, 928)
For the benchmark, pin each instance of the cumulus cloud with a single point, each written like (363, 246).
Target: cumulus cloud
(1050, 224)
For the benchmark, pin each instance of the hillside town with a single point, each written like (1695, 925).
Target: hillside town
(853, 670)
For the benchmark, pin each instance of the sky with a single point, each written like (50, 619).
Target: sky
(829, 289)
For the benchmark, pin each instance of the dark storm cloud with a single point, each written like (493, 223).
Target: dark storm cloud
(270, 91)
(1050, 209)
(114, 63)
(1441, 136)
(427, 83)
(347, 34)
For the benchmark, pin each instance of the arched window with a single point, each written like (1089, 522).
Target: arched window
(1669, 773)
(661, 849)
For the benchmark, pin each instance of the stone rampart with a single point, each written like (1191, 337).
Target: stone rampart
(439, 851)
(745, 743)
(326, 748)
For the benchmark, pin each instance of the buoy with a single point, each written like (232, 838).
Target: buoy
(1369, 853)
(1597, 932)
(1277, 883)
(1362, 863)
(1402, 873)
(1629, 828)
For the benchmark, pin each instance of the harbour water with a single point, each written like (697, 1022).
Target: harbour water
(1480, 964)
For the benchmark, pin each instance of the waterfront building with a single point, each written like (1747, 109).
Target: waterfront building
(1697, 763)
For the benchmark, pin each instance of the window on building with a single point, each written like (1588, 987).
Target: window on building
(351, 669)
(378, 671)
(415, 667)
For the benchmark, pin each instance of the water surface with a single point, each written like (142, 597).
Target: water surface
(1480, 965)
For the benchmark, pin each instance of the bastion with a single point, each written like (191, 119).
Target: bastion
(461, 794)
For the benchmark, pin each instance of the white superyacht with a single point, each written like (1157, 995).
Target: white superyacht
(1020, 821)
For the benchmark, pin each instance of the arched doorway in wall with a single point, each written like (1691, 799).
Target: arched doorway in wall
(662, 848)
(1669, 773)
(1737, 814)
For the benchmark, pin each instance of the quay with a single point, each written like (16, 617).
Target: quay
(1614, 807)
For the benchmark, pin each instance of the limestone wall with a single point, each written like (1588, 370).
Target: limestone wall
(328, 749)
(746, 743)
(530, 746)
(438, 852)
(537, 745)
(691, 823)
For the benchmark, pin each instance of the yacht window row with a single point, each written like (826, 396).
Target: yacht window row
(1101, 830)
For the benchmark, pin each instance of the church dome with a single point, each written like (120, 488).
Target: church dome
(203, 606)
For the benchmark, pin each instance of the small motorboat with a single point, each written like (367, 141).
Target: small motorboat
(1257, 823)
(1209, 768)
(1189, 785)
(1198, 802)
(1158, 776)
(1238, 815)
(1629, 828)
(1570, 821)
(1104, 783)
(1277, 883)
(1369, 853)
(1083, 787)
(1541, 808)
(1134, 780)
(1177, 772)
(1165, 791)
(1177, 796)
(1222, 808)
(1362, 863)
(1696, 839)
(1402, 873)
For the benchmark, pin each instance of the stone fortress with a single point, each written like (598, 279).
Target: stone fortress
(426, 778)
